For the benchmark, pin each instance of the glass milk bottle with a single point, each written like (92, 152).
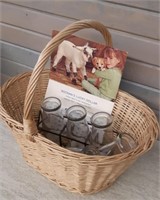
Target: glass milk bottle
(52, 118)
(100, 122)
(77, 127)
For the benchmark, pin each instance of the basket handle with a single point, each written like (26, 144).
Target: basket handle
(28, 122)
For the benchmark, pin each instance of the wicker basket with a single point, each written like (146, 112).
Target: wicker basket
(21, 98)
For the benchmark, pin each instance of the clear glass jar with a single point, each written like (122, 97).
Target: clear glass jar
(77, 126)
(100, 122)
(127, 143)
(52, 118)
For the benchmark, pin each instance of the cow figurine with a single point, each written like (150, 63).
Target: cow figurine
(75, 56)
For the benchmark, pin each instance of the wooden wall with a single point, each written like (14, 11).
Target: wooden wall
(26, 28)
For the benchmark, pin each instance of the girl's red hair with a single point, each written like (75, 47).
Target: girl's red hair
(109, 52)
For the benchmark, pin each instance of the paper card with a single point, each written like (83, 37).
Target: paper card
(86, 73)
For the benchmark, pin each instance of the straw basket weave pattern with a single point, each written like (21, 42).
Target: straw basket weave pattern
(21, 98)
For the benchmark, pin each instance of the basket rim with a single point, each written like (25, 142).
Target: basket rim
(120, 157)
(133, 154)
(4, 114)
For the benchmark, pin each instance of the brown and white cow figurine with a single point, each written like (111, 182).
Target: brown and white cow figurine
(75, 56)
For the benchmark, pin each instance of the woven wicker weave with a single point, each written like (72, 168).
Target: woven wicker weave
(21, 98)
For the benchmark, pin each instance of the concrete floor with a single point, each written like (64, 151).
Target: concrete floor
(18, 181)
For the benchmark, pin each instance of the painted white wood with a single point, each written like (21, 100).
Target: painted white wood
(139, 22)
(152, 5)
(19, 54)
(138, 48)
(149, 95)
(11, 68)
(23, 38)
(142, 73)
(3, 78)
(32, 20)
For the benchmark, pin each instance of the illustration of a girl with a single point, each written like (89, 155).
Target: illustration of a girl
(106, 83)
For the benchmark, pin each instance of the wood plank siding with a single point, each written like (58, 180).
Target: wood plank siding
(26, 28)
